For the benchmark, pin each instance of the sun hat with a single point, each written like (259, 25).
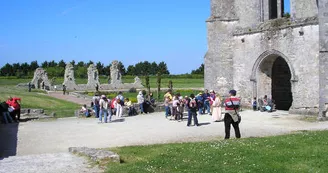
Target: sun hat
(103, 96)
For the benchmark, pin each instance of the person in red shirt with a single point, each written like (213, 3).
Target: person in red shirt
(14, 103)
(232, 105)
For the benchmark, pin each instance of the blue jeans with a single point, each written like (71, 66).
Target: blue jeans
(110, 114)
(141, 105)
(167, 111)
(96, 108)
(200, 110)
(7, 116)
(192, 114)
(103, 111)
(207, 107)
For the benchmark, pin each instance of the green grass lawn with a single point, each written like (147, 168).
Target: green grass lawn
(300, 152)
(39, 100)
(177, 82)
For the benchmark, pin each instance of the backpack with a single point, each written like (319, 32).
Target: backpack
(193, 103)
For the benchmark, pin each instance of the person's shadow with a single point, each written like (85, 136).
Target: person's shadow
(8, 140)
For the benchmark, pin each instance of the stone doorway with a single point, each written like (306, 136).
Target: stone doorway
(273, 76)
(281, 85)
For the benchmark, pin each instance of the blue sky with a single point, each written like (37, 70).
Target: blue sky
(131, 31)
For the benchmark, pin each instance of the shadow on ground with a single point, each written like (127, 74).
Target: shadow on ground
(8, 140)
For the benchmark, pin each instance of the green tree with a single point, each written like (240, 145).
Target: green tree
(62, 64)
(44, 64)
(153, 68)
(162, 68)
(200, 70)
(34, 65)
(81, 72)
(131, 70)
(121, 68)
(7, 70)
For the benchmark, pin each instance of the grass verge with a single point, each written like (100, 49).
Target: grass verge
(39, 100)
(301, 152)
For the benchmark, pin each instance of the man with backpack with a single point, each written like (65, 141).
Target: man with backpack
(232, 105)
(192, 110)
(96, 107)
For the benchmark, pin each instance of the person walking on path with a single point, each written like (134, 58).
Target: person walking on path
(232, 105)
(141, 101)
(119, 104)
(216, 115)
(103, 108)
(193, 110)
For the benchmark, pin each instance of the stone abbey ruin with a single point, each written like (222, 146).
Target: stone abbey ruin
(40, 80)
(254, 49)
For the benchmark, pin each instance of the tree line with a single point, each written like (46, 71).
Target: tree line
(57, 69)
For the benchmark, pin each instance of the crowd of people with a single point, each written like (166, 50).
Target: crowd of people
(204, 103)
(10, 110)
(104, 108)
(175, 105)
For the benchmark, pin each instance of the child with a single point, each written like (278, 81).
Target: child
(254, 104)
(85, 111)
(130, 107)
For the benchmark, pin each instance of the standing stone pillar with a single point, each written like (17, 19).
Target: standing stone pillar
(93, 76)
(115, 74)
(69, 79)
(323, 59)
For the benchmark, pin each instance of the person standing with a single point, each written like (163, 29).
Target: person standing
(103, 103)
(96, 107)
(64, 89)
(232, 117)
(141, 101)
(29, 87)
(206, 98)
(216, 115)
(97, 87)
(119, 104)
(193, 110)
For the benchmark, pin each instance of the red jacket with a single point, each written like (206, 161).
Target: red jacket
(235, 101)
(14, 102)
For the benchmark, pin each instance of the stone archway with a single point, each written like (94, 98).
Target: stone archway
(273, 75)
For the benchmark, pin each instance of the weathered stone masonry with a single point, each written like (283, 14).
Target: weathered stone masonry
(253, 49)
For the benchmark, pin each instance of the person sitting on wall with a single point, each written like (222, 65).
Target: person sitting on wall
(267, 104)
(129, 105)
(15, 108)
(85, 111)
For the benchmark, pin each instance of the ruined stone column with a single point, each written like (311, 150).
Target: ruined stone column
(93, 76)
(323, 58)
(115, 74)
(69, 80)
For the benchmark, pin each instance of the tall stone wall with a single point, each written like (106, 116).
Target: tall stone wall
(41, 77)
(300, 51)
(303, 8)
(323, 58)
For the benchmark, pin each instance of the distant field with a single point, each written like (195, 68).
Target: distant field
(39, 100)
(178, 82)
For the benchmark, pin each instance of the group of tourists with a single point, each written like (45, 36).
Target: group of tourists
(264, 104)
(104, 108)
(207, 102)
(10, 110)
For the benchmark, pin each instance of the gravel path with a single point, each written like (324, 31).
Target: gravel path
(38, 137)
